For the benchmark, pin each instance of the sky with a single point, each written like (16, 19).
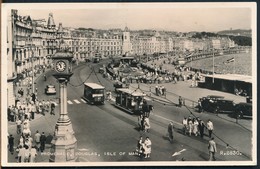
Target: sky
(160, 16)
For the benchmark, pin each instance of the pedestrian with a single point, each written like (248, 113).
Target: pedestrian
(140, 121)
(37, 137)
(180, 101)
(195, 126)
(52, 108)
(147, 125)
(147, 147)
(43, 141)
(200, 106)
(19, 147)
(21, 141)
(49, 139)
(21, 154)
(156, 90)
(212, 149)
(210, 127)
(190, 126)
(9, 110)
(163, 90)
(26, 154)
(185, 125)
(33, 154)
(170, 131)
(145, 108)
(18, 126)
(139, 148)
(11, 144)
(47, 106)
(201, 128)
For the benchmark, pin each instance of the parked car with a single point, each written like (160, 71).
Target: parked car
(243, 109)
(96, 60)
(50, 90)
(217, 104)
(101, 70)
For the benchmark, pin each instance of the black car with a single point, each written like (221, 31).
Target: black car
(217, 104)
(243, 109)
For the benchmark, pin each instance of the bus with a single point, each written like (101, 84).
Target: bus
(94, 93)
(129, 100)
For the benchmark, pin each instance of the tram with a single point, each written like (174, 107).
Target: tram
(94, 93)
(129, 100)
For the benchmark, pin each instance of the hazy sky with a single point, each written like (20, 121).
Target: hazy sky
(160, 17)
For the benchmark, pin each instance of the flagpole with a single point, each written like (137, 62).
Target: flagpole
(234, 66)
(213, 67)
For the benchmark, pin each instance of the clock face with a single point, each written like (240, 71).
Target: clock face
(60, 66)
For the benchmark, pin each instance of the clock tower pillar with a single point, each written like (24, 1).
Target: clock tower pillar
(64, 143)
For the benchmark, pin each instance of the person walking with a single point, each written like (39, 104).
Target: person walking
(21, 154)
(180, 101)
(26, 154)
(11, 144)
(212, 149)
(200, 106)
(52, 108)
(147, 125)
(190, 126)
(210, 127)
(195, 126)
(147, 147)
(139, 148)
(33, 154)
(42, 141)
(170, 131)
(140, 120)
(185, 125)
(18, 126)
(201, 128)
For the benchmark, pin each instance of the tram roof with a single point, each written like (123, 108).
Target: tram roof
(94, 85)
(131, 92)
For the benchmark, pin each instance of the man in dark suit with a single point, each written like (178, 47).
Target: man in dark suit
(43, 141)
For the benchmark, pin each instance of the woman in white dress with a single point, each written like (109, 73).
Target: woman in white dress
(147, 147)
(146, 124)
(195, 126)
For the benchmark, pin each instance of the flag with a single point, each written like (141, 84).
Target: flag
(229, 60)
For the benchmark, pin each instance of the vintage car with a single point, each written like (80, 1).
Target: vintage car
(217, 104)
(243, 110)
(50, 90)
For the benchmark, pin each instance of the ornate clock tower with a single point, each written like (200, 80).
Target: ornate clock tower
(64, 143)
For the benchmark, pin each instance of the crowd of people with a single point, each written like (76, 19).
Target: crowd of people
(160, 90)
(27, 146)
(195, 126)
(22, 113)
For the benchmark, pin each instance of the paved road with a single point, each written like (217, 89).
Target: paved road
(105, 131)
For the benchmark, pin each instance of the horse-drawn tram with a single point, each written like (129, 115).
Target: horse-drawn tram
(94, 93)
(129, 100)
